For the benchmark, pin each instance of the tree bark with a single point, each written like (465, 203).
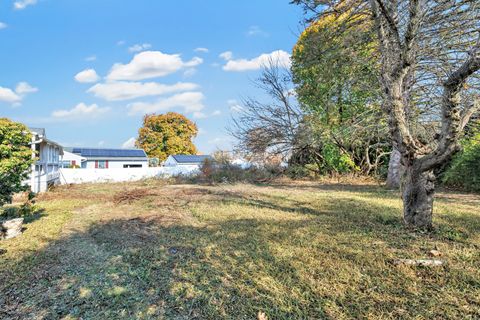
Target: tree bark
(394, 170)
(418, 193)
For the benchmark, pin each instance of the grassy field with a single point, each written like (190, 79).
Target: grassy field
(149, 250)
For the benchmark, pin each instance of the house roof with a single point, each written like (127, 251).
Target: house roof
(183, 158)
(38, 131)
(108, 153)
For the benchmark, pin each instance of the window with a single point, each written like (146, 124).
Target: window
(101, 164)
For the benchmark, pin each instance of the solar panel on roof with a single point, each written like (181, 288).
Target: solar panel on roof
(184, 158)
(109, 153)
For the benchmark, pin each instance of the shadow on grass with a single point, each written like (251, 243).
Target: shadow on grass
(328, 262)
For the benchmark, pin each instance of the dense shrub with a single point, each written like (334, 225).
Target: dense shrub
(214, 172)
(464, 170)
(15, 158)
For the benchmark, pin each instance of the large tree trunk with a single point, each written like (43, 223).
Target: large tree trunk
(394, 170)
(418, 192)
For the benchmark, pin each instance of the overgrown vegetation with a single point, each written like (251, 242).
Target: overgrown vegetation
(288, 250)
(464, 171)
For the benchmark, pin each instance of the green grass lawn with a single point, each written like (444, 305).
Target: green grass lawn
(291, 251)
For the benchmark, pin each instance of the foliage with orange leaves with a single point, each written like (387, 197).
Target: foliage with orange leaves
(165, 134)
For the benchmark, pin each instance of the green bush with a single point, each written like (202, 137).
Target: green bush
(15, 158)
(464, 170)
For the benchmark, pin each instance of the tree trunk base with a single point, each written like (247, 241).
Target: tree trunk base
(11, 228)
(418, 193)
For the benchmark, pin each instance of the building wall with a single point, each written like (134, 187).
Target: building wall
(71, 158)
(76, 176)
(45, 171)
(170, 162)
(113, 164)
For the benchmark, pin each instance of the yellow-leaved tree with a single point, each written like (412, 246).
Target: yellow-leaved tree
(165, 134)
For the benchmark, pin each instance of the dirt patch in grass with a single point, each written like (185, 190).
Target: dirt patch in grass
(128, 196)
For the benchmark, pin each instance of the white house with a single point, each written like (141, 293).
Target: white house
(72, 160)
(186, 160)
(100, 158)
(45, 170)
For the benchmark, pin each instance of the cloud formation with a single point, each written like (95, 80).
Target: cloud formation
(189, 102)
(81, 110)
(279, 57)
(123, 90)
(227, 55)
(87, 76)
(204, 50)
(22, 4)
(129, 144)
(150, 64)
(15, 97)
(234, 106)
(3, 25)
(256, 31)
(24, 88)
(139, 47)
(9, 96)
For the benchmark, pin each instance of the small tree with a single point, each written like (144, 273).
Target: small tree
(15, 158)
(166, 134)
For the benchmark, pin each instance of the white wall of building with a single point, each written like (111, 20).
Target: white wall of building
(170, 162)
(114, 164)
(45, 170)
(76, 176)
(70, 157)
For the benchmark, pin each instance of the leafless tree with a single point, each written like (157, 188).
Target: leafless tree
(430, 58)
(272, 128)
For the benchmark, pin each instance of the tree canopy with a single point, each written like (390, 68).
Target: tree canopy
(335, 71)
(165, 134)
(15, 158)
(429, 57)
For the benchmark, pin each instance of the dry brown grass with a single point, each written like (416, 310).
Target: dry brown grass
(283, 251)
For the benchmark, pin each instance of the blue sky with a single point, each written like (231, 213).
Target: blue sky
(88, 70)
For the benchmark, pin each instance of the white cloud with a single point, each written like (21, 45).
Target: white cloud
(101, 143)
(3, 25)
(122, 90)
(129, 144)
(15, 97)
(227, 55)
(199, 115)
(234, 106)
(139, 47)
(91, 58)
(190, 102)
(216, 113)
(150, 64)
(189, 72)
(81, 110)
(204, 50)
(7, 95)
(23, 88)
(22, 4)
(121, 42)
(87, 76)
(222, 143)
(256, 31)
(279, 57)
